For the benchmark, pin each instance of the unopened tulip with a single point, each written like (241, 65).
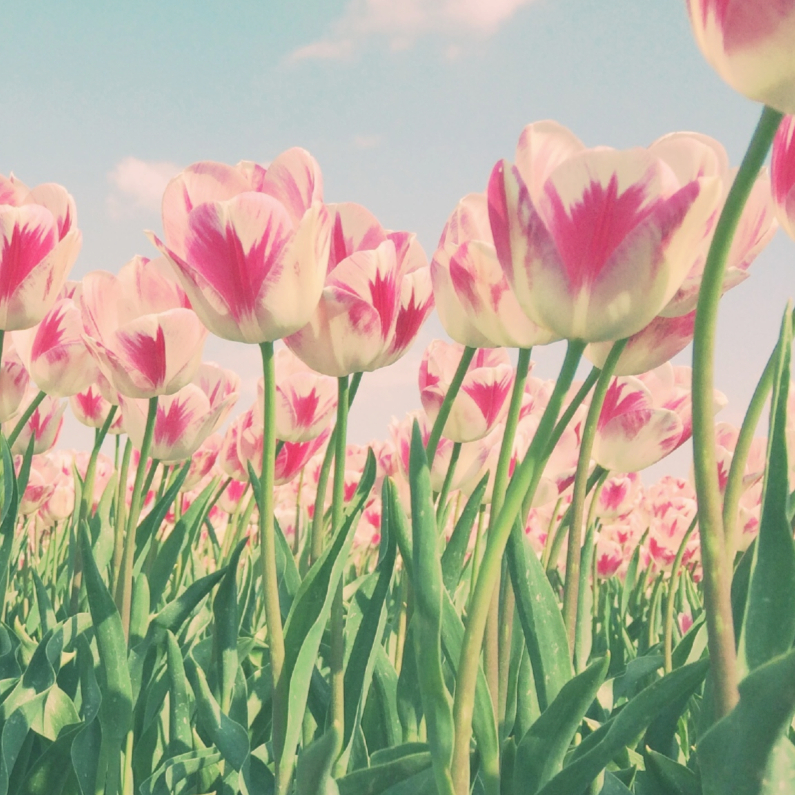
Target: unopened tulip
(140, 329)
(473, 298)
(376, 297)
(187, 417)
(250, 245)
(594, 242)
(41, 485)
(482, 400)
(14, 380)
(749, 44)
(782, 174)
(39, 243)
(92, 405)
(305, 400)
(44, 424)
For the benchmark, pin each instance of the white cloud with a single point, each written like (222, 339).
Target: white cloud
(138, 185)
(366, 141)
(402, 22)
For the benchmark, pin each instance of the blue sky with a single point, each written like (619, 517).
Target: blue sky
(406, 104)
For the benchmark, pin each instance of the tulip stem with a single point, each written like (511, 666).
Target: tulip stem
(121, 519)
(668, 626)
(337, 652)
(270, 585)
(27, 414)
(734, 482)
(490, 567)
(447, 404)
(717, 581)
(571, 586)
(448, 480)
(136, 503)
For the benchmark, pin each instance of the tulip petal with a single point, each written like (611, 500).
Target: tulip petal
(294, 179)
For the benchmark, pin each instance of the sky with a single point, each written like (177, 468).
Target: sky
(406, 105)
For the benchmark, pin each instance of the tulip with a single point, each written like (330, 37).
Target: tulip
(42, 483)
(782, 174)
(186, 418)
(202, 462)
(594, 242)
(92, 405)
(39, 243)
(249, 245)
(14, 380)
(305, 400)
(376, 297)
(44, 424)
(473, 298)
(672, 506)
(55, 352)
(749, 44)
(482, 400)
(140, 329)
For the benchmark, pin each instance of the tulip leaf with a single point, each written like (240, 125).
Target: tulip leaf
(177, 769)
(404, 762)
(308, 617)
(541, 619)
(747, 752)
(624, 729)
(456, 550)
(180, 737)
(313, 770)
(769, 625)
(9, 518)
(540, 753)
(671, 777)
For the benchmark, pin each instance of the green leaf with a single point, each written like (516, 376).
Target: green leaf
(456, 550)
(180, 739)
(624, 729)
(313, 771)
(139, 611)
(404, 762)
(308, 617)
(540, 753)
(9, 518)
(542, 622)
(671, 777)
(769, 625)
(46, 614)
(370, 599)
(427, 620)
(177, 769)
(87, 744)
(736, 754)
(225, 628)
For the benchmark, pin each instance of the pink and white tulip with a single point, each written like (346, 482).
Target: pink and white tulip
(594, 242)
(305, 400)
(187, 417)
(376, 297)
(749, 44)
(140, 329)
(39, 243)
(482, 400)
(473, 298)
(249, 244)
(44, 424)
(92, 405)
(782, 174)
(14, 381)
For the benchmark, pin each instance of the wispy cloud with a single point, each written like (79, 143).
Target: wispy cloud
(138, 185)
(402, 23)
(366, 141)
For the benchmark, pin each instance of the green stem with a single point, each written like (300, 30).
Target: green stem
(668, 629)
(447, 404)
(490, 567)
(448, 480)
(337, 652)
(717, 582)
(572, 582)
(734, 483)
(132, 520)
(270, 586)
(121, 520)
(28, 413)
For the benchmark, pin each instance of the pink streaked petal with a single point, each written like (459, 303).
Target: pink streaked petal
(151, 286)
(59, 202)
(542, 147)
(469, 221)
(755, 230)
(294, 179)
(202, 182)
(489, 391)
(12, 191)
(653, 345)
(416, 303)
(624, 396)
(253, 173)
(628, 443)
(741, 23)
(692, 155)
(27, 235)
(354, 228)
(782, 163)
(39, 289)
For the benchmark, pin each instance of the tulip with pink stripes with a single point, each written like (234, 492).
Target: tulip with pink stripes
(594, 242)
(782, 174)
(305, 400)
(39, 243)
(140, 329)
(376, 297)
(55, 351)
(14, 381)
(44, 424)
(481, 402)
(473, 298)
(92, 405)
(749, 44)
(249, 244)
(187, 417)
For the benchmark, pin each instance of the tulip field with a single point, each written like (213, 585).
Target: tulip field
(490, 598)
